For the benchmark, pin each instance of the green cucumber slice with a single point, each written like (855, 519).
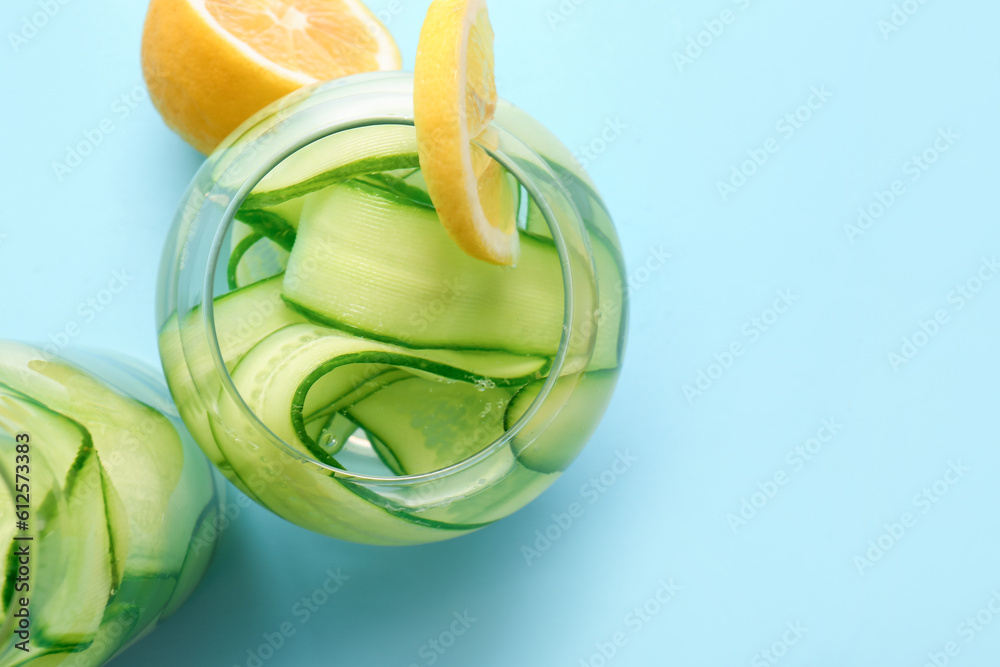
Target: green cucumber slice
(278, 223)
(612, 317)
(329, 428)
(370, 262)
(88, 442)
(302, 368)
(335, 158)
(242, 319)
(277, 376)
(154, 590)
(240, 251)
(494, 501)
(611, 281)
(63, 440)
(65, 444)
(410, 185)
(379, 380)
(62, 436)
(8, 569)
(416, 179)
(41, 487)
(251, 262)
(198, 555)
(568, 425)
(46, 499)
(325, 504)
(429, 425)
(385, 454)
(51, 658)
(138, 447)
(72, 612)
(255, 258)
(266, 223)
(117, 630)
(118, 530)
(399, 187)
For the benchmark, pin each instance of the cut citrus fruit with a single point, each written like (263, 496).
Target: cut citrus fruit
(454, 99)
(211, 64)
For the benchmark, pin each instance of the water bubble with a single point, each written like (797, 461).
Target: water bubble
(327, 441)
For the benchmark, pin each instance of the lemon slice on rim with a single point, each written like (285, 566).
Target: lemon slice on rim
(211, 64)
(454, 100)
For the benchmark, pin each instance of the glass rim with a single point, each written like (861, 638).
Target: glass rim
(523, 178)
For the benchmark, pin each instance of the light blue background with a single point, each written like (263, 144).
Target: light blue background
(667, 517)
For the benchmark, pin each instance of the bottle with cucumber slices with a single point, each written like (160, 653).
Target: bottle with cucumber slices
(107, 508)
(392, 307)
